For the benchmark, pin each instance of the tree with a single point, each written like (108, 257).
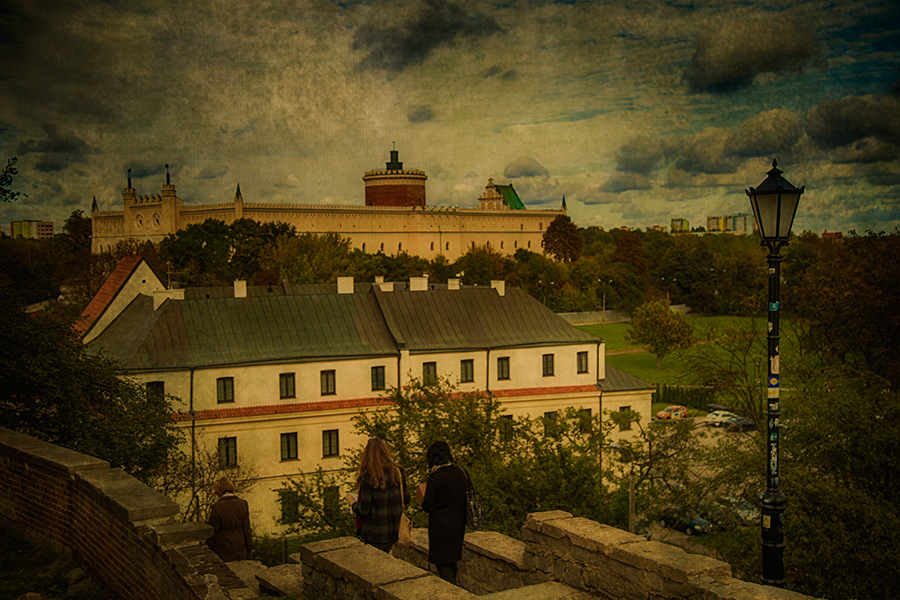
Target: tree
(189, 479)
(659, 329)
(7, 194)
(518, 465)
(562, 240)
(845, 303)
(732, 364)
(54, 390)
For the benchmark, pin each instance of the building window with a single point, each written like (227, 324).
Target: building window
(582, 362)
(467, 371)
(503, 367)
(364, 247)
(432, 246)
(225, 389)
(529, 243)
(547, 361)
(286, 385)
(583, 417)
(382, 246)
(227, 452)
(429, 373)
(506, 427)
(157, 389)
(624, 422)
(551, 427)
(328, 386)
(377, 378)
(501, 244)
(289, 446)
(290, 505)
(330, 443)
(448, 246)
(331, 504)
(516, 244)
(400, 247)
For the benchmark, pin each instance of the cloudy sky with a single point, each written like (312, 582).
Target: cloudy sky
(636, 111)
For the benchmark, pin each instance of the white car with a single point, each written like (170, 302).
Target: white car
(717, 418)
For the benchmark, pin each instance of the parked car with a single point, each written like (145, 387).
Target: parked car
(739, 424)
(673, 412)
(717, 418)
(676, 518)
(727, 512)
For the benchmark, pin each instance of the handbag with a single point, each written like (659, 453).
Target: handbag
(474, 510)
(404, 535)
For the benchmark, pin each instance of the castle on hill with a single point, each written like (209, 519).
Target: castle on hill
(394, 219)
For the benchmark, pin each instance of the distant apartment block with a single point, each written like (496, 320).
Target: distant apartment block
(736, 224)
(680, 226)
(38, 230)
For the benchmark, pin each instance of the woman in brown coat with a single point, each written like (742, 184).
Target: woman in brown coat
(230, 519)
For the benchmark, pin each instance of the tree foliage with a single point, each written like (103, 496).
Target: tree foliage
(659, 329)
(844, 301)
(7, 193)
(55, 391)
(562, 240)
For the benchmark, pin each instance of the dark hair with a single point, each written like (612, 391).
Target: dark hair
(439, 454)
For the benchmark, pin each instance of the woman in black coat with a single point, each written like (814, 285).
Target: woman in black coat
(444, 499)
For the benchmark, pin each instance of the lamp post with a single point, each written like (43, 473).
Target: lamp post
(774, 205)
(623, 450)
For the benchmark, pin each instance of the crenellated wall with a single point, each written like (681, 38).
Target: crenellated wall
(119, 529)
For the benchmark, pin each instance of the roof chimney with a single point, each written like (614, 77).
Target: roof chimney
(453, 284)
(379, 279)
(499, 285)
(418, 284)
(345, 285)
(240, 288)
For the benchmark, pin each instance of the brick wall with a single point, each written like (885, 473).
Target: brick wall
(117, 528)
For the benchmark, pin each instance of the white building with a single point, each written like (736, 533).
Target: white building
(272, 376)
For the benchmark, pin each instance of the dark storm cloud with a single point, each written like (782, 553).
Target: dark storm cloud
(729, 57)
(835, 123)
(145, 169)
(58, 150)
(525, 166)
(420, 114)
(496, 71)
(640, 155)
(208, 173)
(625, 181)
(396, 47)
(767, 133)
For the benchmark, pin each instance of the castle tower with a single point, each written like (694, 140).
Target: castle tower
(395, 186)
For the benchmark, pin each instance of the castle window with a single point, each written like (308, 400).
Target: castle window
(516, 244)
(432, 246)
(400, 247)
(382, 246)
(501, 244)
(364, 247)
(448, 245)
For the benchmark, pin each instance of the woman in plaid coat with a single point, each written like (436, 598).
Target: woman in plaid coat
(382, 495)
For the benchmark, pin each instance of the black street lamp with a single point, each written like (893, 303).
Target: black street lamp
(774, 205)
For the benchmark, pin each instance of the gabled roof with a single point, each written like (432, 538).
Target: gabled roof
(210, 331)
(108, 292)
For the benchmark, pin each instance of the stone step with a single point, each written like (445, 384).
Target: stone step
(550, 590)
(282, 580)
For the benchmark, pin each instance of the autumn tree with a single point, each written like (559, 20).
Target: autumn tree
(53, 389)
(562, 240)
(659, 329)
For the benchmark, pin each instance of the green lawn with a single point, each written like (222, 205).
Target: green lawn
(635, 361)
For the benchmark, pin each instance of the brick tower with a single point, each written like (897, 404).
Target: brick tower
(395, 187)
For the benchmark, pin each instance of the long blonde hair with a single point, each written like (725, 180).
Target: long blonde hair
(376, 460)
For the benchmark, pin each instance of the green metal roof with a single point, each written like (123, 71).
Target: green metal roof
(510, 197)
(620, 381)
(211, 330)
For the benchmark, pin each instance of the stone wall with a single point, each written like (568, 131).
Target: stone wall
(120, 530)
(561, 557)
(125, 534)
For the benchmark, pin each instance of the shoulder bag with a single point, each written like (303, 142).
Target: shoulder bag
(474, 510)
